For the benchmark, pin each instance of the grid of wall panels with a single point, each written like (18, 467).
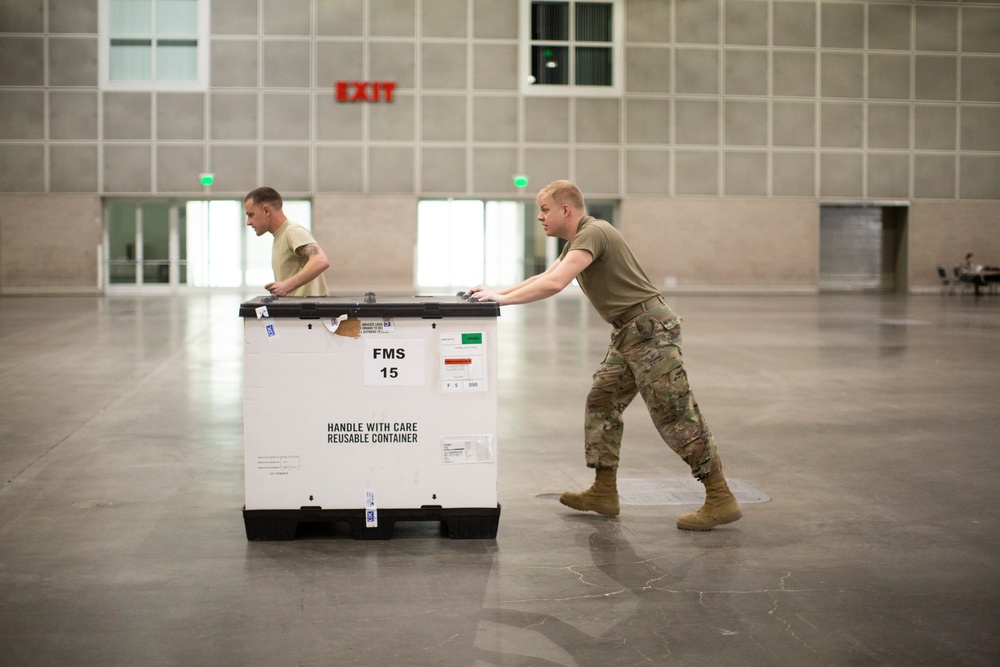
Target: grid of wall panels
(761, 98)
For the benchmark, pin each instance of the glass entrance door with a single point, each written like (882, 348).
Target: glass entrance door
(189, 244)
(145, 243)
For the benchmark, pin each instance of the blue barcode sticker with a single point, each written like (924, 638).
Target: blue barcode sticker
(371, 512)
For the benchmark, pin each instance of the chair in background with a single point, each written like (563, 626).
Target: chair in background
(947, 282)
(964, 285)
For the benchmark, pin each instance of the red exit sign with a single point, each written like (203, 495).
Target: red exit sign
(364, 91)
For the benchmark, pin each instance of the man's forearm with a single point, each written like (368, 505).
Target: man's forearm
(314, 266)
(521, 285)
(538, 288)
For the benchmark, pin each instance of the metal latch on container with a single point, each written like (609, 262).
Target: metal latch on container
(308, 311)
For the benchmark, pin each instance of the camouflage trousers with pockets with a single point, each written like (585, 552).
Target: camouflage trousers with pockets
(645, 359)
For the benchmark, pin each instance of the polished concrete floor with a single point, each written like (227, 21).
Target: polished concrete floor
(870, 422)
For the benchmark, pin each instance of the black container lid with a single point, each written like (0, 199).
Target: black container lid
(370, 305)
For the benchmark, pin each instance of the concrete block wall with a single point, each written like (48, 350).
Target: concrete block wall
(50, 244)
(731, 108)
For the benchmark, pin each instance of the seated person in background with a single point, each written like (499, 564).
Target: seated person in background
(969, 266)
(971, 272)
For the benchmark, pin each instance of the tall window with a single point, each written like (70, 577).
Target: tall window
(570, 47)
(462, 243)
(154, 44)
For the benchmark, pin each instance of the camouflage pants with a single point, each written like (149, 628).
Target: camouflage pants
(645, 358)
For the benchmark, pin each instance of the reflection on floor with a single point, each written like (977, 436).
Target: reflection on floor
(866, 423)
(680, 491)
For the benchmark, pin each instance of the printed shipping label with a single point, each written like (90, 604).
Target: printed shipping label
(467, 449)
(463, 362)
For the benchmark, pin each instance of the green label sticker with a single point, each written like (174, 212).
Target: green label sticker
(472, 339)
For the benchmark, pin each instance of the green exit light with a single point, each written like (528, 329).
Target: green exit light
(207, 179)
(520, 181)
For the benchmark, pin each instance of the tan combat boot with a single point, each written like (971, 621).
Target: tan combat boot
(602, 497)
(720, 506)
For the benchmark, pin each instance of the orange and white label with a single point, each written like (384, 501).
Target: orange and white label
(463, 362)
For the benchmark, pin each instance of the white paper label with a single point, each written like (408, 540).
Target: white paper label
(334, 324)
(463, 362)
(377, 326)
(371, 512)
(394, 362)
(467, 449)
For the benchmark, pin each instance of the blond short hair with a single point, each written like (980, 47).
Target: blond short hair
(562, 192)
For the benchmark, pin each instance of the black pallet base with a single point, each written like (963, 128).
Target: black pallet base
(465, 523)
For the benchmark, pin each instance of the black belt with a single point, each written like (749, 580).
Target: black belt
(636, 310)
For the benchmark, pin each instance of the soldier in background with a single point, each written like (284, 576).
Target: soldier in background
(297, 260)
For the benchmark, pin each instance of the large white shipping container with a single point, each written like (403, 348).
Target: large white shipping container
(372, 411)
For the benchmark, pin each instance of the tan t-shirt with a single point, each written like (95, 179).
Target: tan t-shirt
(286, 262)
(614, 281)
